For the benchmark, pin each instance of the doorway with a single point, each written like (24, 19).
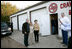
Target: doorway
(54, 23)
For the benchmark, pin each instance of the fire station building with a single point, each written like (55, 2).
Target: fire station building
(43, 12)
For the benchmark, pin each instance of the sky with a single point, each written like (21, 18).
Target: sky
(23, 4)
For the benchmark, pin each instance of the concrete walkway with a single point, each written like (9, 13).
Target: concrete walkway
(7, 42)
(44, 42)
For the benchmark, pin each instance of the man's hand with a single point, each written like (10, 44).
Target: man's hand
(25, 32)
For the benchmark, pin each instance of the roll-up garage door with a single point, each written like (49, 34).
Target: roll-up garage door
(43, 19)
(22, 19)
(14, 20)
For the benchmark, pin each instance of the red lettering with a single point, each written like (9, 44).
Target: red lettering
(70, 4)
(65, 5)
(61, 6)
(69, 12)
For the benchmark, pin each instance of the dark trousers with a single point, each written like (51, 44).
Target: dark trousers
(56, 30)
(26, 39)
(65, 37)
(36, 36)
(69, 43)
(53, 29)
(12, 29)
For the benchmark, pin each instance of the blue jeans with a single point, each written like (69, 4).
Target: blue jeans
(53, 29)
(65, 37)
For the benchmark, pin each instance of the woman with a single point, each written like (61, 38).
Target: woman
(31, 34)
(36, 31)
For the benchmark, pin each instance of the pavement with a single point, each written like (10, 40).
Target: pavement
(50, 41)
(7, 42)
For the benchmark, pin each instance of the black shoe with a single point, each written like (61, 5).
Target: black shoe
(36, 41)
(62, 43)
(26, 46)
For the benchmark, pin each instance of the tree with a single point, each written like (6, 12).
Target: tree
(6, 10)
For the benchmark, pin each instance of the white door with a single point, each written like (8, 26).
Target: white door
(22, 19)
(43, 20)
(14, 20)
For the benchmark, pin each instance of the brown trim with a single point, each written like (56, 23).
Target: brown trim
(50, 20)
(31, 7)
(22, 14)
(17, 22)
(30, 16)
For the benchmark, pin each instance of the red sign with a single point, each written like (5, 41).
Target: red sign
(53, 8)
(69, 12)
(65, 5)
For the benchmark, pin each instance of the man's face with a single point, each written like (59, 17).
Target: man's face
(27, 20)
(62, 14)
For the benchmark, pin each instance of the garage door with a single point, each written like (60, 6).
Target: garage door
(14, 20)
(22, 19)
(43, 19)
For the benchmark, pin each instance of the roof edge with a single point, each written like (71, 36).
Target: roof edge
(30, 7)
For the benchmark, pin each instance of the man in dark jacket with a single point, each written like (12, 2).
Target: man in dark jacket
(25, 31)
(12, 26)
(53, 25)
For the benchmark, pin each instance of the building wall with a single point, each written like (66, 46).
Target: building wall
(47, 4)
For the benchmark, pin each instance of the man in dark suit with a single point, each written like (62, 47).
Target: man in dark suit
(25, 31)
(53, 25)
(12, 26)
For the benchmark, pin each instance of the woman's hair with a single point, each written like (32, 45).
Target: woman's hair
(35, 20)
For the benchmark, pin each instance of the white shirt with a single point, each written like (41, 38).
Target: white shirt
(65, 20)
(67, 25)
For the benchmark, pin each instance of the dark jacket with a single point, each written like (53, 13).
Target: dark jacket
(25, 28)
(11, 26)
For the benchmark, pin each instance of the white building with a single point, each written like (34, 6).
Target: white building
(43, 12)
